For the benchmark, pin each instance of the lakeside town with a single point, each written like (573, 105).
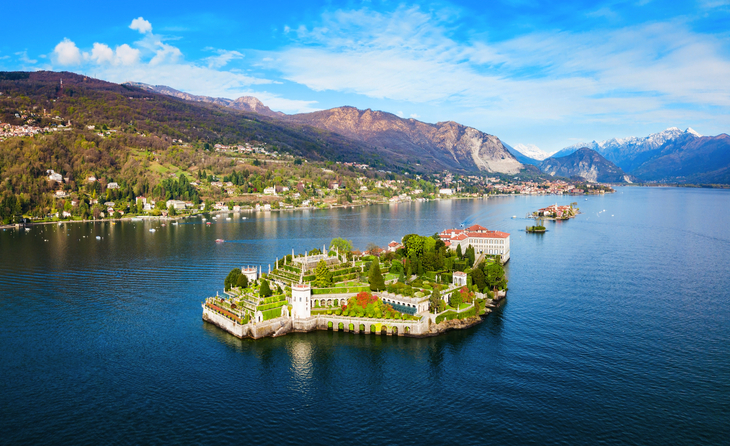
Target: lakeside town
(420, 286)
(252, 177)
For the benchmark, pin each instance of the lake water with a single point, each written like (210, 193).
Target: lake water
(616, 330)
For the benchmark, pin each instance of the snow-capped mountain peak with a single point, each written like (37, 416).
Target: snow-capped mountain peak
(693, 132)
(625, 152)
(532, 151)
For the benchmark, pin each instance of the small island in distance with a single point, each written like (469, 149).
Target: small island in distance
(419, 287)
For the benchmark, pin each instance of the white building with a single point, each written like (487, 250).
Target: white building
(179, 205)
(250, 272)
(446, 191)
(53, 176)
(459, 278)
(483, 240)
(301, 295)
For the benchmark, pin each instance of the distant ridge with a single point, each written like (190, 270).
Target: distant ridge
(587, 164)
(244, 103)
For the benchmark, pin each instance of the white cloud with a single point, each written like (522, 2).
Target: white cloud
(153, 61)
(24, 57)
(67, 53)
(602, 75)
(415, 116)
(166, 54)
(101, 53)
(126, 55)
(222, 59)
(141, 25)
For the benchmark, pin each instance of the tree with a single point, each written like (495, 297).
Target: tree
(242, 281)
(232, 278)
(375, 278)
(478, 279)
(396, 267)
(264, 290)
(495, 276)
(470, 256)
(459, 252)
(456, 299)
(171, 211)
(323, 276)
(414, 244)
(434, 300)
(342, 245)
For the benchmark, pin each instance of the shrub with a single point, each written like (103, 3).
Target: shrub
(329, 311)
(338, 312)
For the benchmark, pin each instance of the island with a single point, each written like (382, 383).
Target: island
(420, 286)
(555, 212)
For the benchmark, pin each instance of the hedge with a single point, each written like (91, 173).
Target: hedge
(341, 290)
(272, 314)
(266, 307)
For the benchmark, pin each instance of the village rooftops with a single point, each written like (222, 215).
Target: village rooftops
(461, 234)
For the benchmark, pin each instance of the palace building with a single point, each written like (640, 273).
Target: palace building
(483, 240)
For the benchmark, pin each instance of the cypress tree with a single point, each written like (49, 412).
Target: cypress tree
(264, 290)
(375, 277)
(434, 300)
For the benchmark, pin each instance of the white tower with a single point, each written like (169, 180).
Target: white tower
(301, 294)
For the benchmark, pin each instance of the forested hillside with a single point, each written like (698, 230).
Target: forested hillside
(126, 135)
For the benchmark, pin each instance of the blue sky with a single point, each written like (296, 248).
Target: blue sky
(531, 72)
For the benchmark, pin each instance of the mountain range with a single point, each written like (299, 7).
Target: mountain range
(244, 103)
(672, 155)
(444, 145)
(587, 164)
(375, 137)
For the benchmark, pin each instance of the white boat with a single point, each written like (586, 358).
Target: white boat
(174, 223)
(153, 230)
(228, 218)
(514, 216)
(204, 218)
(98, 237)
(244, 218)
(27, 229)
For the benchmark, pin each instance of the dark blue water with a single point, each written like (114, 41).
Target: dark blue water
(616, 330)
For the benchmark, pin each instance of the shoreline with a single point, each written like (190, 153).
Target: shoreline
(281, 326)
(253, 210)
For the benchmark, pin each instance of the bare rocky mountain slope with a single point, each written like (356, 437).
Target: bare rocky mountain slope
(441, 145)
